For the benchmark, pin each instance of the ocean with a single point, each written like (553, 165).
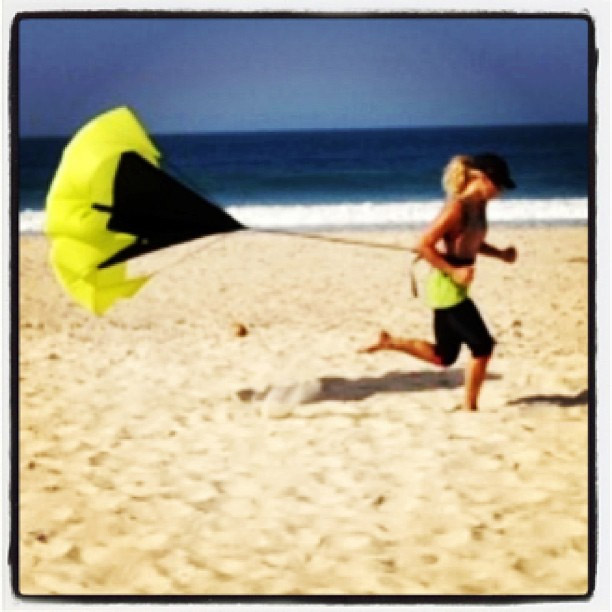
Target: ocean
(348, 179)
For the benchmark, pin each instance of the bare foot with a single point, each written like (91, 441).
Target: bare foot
(384, 342)
(460, 408)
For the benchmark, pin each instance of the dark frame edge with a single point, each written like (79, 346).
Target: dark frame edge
(14, 120)
(13, 549)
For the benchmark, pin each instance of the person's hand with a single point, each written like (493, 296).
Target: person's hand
(463, 276)
(509, 255)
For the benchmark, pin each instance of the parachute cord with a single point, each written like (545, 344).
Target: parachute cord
(337, 239)
(277, 232)
(364, 243)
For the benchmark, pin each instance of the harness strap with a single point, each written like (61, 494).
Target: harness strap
(413, 283)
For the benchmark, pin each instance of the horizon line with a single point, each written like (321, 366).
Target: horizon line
(280, 130)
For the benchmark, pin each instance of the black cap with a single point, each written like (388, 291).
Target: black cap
(495, 167)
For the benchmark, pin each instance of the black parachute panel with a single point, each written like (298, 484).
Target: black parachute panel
(159, 210)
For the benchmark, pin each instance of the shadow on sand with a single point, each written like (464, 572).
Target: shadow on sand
(347, 389)
(563, 401)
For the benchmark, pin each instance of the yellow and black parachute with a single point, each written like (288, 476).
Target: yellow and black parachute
(109, 201)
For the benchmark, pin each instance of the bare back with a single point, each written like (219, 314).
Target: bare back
(464, 239)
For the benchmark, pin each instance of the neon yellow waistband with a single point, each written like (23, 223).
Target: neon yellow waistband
(442, 292)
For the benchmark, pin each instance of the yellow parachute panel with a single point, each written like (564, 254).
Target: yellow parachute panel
(78, 232)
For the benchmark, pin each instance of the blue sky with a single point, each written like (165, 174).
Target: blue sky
(216, 74)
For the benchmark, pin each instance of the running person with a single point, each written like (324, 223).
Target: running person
(460, 230)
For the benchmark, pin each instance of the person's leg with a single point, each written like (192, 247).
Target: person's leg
(442, 353)
(469, 324)
(475, 373)
(421, 349)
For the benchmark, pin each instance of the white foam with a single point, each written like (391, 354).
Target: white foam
(346, 216)
(31, 221)
(368, 215)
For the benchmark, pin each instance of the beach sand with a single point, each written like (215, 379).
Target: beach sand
(165, 449)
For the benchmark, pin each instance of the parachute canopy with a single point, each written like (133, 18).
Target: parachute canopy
(109, 201)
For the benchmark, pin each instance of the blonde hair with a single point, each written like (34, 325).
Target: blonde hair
(457, 174)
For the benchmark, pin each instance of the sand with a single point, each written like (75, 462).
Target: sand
(219, 433)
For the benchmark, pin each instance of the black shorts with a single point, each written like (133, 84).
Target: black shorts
(457, 325)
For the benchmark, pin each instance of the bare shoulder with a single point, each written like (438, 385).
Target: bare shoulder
(452, 208)
(448, 220)
(450, 215)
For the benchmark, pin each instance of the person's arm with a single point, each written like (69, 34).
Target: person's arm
(448, 219)
(508, 255)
